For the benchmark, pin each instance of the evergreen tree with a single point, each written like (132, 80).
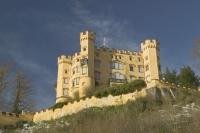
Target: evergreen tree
(170, 76)
(188, 78)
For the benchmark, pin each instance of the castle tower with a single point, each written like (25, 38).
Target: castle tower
(62, 89)
(150, 53)
(87, 42)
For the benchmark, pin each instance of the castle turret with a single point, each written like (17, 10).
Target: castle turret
(62, 89)
(150, 53)
(87, 42)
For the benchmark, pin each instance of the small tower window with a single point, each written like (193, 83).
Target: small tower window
(66, 80)
(65, 91)
(131, 67)
(132, 78)
(130, 58)
(146, 58)
(147, 67)
(66, 72)
(139, 59)
(84, 70)
(140, 68)
(84, 49)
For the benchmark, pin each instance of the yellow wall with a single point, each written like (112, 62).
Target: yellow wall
(75, 107)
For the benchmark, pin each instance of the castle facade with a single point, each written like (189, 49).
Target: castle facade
(101, 66)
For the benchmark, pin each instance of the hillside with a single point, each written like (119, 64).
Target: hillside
(152, 115)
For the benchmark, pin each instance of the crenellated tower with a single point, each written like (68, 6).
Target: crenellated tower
(150, 53)
(63, 79)
(87, 42)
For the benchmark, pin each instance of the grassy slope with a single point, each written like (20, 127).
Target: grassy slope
(141, 116)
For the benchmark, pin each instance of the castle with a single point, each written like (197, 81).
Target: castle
(101, 66)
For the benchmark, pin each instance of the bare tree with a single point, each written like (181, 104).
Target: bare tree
(22, 95)
(4, 71)
(4, 74)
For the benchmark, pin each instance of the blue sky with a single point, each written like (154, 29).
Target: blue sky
(34, 32)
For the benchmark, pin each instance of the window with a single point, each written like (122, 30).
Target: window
(147, 67)
(120, 57)
(65, 71)
(73, 71)
(148, 78)
(141, 78)
(140, 68)
(84, 61)
(139, 59)
(132, 78)
(97, 75)
(77, 69)
(76, 81)
(84, 49)
(118, 76)
(131, 67)
(130, 58)
(84, 70)
(146, 58)
(66, 80)
(117, 65)
(65, 91)
(97, 63)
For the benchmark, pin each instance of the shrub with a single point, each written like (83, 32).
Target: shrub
(121, 89)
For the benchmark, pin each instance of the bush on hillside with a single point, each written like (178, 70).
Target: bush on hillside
(121, 89)
(115, 90)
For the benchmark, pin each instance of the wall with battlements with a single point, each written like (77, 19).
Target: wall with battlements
(75, 107)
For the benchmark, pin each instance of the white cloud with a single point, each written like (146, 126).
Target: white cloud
(105, 26)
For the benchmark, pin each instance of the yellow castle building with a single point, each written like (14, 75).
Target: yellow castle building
(102, 66)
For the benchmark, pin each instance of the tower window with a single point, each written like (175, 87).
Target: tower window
(117, 65)
(65, 71)
(132, 78)
(66, 80)
(131, 67)
(65, 91)
(84, 49)
(76, 81)
(140, 68)
(84, 70)
(146, 58)
(139, 59)
(147, 67)
(130, 58)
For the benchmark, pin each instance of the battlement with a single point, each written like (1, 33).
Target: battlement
(87, 35)
(120, 51)
(64, 58)
(149, 43)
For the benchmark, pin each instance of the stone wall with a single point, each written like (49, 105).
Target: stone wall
(75, 107)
